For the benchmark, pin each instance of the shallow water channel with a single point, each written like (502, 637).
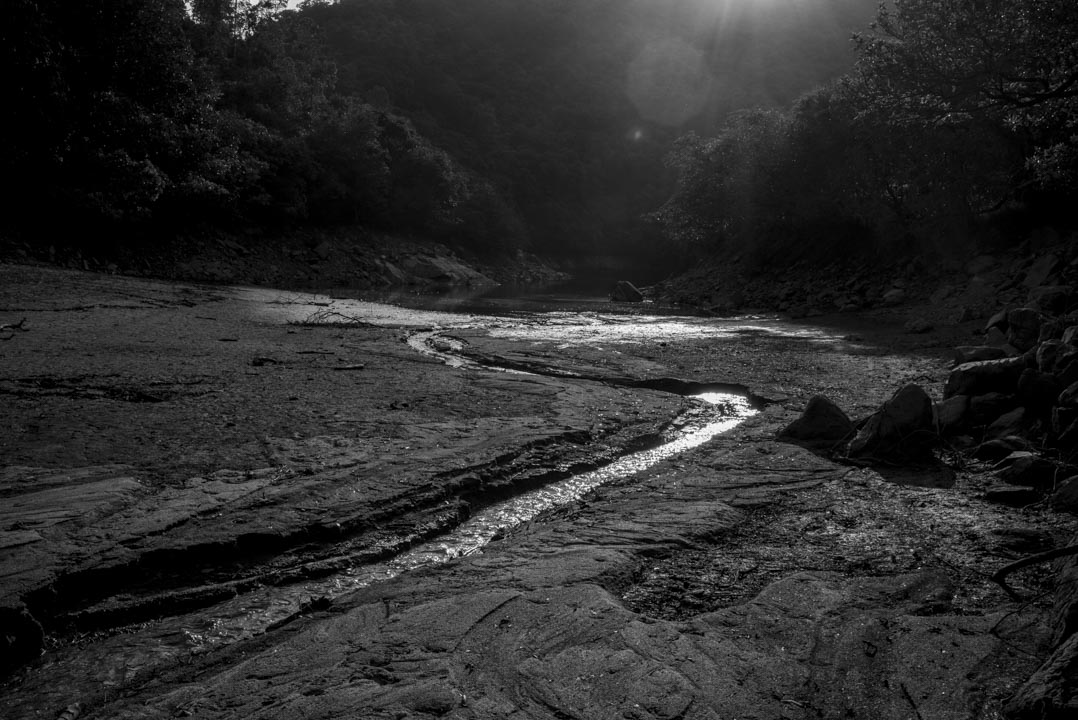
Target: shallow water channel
(102, 664)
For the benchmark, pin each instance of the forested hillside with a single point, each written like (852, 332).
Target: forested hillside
(958, 127)
(487, 124)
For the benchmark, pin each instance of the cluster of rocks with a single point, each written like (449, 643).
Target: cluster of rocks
(1011, 401)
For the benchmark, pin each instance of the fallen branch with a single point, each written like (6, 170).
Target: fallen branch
(20, 326)
(999, 576)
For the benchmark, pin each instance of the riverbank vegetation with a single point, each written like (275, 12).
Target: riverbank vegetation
(495, 126)
(958, 126)
(487, 125)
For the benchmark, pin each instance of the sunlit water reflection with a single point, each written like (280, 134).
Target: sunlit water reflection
(104, 664)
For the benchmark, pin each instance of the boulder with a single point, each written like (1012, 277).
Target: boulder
(1011, 495)
(1009, 424)
(950, 414)
(984, 409)
(1029, 470)
(822, 426)
(999, 320)
(900, 430)
(976, 353)
(1068, 398)
(625, 291)
(978, 378)
(918, 326)
(1070, 335)
(1023, 328)
(894, 296)
(1065, 606)
(999, 448)
(1050, 330)
(1066, 366)
(1051, 693)
(1038, 391)
(980, 264)
(1048, 354)
(1041, 270)
(1051, 299)
(1065, 498)
(995, 337)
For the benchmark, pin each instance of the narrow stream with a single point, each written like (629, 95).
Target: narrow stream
(110, 662)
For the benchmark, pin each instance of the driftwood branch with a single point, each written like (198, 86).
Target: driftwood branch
(999, 576)
(20, 326)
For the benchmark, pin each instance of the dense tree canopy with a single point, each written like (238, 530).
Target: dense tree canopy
(956, 110)
(487, 123)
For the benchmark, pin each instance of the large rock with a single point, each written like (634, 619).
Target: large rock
(1038, 391)
(1013, 423)
(1065, 498)
(822, 426)
(444, 270)
(1069, 397)
(1023, 328)
(900, 430)
(1065, 605)
(999, 448)
(1048, 354)
(985, 409)
(977, 353)
(1041, 270)
(1052, 299)
(951, 414)
(1052, 692)
(625, 291)
(1029, 470)
(999, 320)
(978, 378)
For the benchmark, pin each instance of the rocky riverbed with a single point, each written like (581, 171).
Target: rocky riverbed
(172, 449)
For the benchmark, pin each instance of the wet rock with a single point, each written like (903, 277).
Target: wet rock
(625, 291)
(1023, 328)
(1065, 498)
(1029, 470)
(978, 378)
(1052, 299)
(977, 353)
(900, 430)
(822, 426)
(1052, 692)
(951, 414)
(1041, 270)
(1012, 423)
